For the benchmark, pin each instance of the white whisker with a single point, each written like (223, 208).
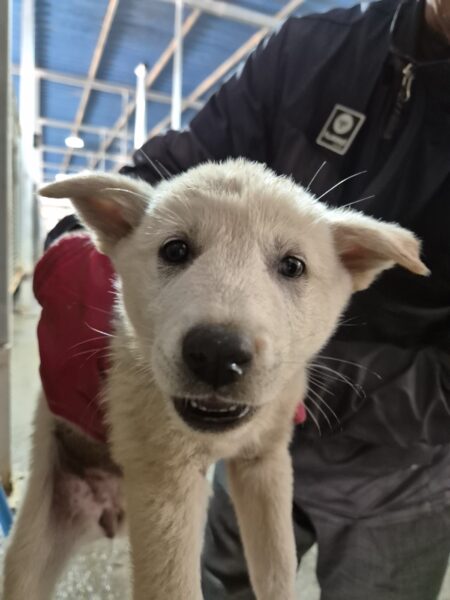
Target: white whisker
(164, 167)
(152, 164)
(100, 337)
(327, 405)
(340, 376)
(313, 418)
(354, 364)
(358, 201)
(90, 351)
(99, 331)
(320, 409)
(315, 175)
(320, 384)
(340, 183)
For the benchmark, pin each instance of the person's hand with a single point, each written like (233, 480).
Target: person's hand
(437, 16)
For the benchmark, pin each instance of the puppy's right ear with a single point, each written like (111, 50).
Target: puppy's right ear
(110, 205)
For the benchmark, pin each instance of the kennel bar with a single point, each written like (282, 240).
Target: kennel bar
(5, 242)
(140, 120)
(28, 108)
(177, 73)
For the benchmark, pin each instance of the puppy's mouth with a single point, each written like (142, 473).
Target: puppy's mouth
(212, 414)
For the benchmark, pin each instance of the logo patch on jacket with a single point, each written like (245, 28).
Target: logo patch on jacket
(340, 129)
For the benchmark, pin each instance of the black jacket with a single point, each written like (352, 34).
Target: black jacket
(273, 111)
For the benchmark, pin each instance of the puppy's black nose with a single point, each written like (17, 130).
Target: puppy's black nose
(216, 354)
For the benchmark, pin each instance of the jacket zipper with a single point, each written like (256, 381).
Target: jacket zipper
(402, 99)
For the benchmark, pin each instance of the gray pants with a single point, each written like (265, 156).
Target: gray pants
(383, 532)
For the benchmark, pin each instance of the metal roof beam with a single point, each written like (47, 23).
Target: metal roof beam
(232, 12)
(76, 81)
(57, 167)
(228, 64)
(45, 122)
(93, 68)
(89, 154)
(153, 74)
(97, 84)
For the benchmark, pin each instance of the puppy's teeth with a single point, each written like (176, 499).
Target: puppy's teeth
(194, 404)
(243, 413)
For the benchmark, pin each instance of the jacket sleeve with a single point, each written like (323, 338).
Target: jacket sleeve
(387, 395)
(234, 122)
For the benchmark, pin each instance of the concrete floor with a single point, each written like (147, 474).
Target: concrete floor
(101, 573)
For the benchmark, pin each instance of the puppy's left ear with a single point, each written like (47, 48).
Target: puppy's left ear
(367, 246)
(110, 205)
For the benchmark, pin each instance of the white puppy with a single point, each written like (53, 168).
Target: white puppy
(230, 280)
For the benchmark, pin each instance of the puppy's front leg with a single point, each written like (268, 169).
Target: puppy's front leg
(261, 490)
(166, 511)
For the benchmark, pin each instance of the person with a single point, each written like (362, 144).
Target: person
(354, 105)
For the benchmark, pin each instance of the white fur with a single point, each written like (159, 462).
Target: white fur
(241, 220)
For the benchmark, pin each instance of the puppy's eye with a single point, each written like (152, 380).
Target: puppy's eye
(292, 267)
(175, 252)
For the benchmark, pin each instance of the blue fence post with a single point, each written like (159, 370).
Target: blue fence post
(5, 513)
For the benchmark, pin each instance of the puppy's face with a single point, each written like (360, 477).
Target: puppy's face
(232, 279)
(231, 283)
